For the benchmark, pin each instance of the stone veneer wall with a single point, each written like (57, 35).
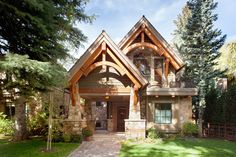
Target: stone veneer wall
(135, 128)
(181, 112)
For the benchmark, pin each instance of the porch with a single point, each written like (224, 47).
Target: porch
(108, 113)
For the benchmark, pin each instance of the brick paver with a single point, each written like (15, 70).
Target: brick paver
(103, 145)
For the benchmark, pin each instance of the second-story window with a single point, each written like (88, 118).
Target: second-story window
(159, 69)
(142, 62)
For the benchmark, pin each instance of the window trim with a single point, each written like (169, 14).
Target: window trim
(162, 103)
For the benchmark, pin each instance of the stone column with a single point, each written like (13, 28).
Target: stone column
(135, 127)
(73, 123)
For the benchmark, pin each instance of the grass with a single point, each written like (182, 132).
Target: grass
(180, 148)
(33, 148)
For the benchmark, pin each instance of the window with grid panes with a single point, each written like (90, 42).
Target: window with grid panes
(163, 113)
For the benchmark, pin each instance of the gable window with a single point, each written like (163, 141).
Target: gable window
(163, 113)
(142, 62)
(159, 69)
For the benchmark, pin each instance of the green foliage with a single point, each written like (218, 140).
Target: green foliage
(57, 132)
(189, 129)
(77, 138)
(37, 32)
(214, 106)
(200, 48)
(221, 106)
(67, 137)
(31, 75)
(201, 147)
(180, 23)
(6, 125)
(34, 148)
(87, 132)
(41, 28)
(38, 125)
(72, 138)
(226, 61)
(153, 133)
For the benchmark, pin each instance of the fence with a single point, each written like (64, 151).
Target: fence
(225, 131)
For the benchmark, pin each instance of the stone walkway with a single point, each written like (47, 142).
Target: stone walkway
(104, 144)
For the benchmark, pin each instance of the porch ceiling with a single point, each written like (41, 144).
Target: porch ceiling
(112, 98)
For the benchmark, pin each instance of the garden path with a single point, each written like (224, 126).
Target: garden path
(103, 144)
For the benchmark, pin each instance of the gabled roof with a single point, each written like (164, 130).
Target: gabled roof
(144, 22)
(103, 37)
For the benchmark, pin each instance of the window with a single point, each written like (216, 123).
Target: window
(142, 62)
(159, 69)
(163, 113)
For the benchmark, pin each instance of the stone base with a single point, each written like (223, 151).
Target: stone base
(73, 127)
(135, 128)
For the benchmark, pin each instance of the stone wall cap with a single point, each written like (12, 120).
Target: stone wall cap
(135, 120)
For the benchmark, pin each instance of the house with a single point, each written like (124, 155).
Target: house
(129, 87)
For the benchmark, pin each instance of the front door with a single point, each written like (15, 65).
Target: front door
(122, 114)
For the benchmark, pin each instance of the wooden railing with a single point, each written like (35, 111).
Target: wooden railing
(220, 130)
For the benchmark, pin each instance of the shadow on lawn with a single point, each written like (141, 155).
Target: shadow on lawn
(191, 147)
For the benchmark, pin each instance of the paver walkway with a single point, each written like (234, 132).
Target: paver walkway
(104, 144)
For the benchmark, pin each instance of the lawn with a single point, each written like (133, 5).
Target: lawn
(33, 148)
(180, 148)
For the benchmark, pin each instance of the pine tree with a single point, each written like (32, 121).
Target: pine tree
(180, 23)
(36, 32)
(201, 42)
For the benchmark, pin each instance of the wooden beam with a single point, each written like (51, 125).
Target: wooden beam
(104, 46)
(135, 99)
(74, 93)
(89, 61)
(104, 90)
(76, 77)
(93, 57)
(167, 62)
(131, 77)
(163, 50)
(104, 60)
(131, 39)
(144, 44)
(102, 63)
(142, 37)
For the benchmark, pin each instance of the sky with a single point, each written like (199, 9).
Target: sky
(117, 17)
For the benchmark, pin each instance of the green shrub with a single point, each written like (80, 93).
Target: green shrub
(6, 125)
(152, 133)
(38, 125)
(189, 129)
(74, 138)
(77, 138)
(67, 137)
(87, 131)
(57, 133)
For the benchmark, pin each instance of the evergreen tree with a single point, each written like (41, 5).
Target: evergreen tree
(180, 23)
(201, 42)
(38, 30)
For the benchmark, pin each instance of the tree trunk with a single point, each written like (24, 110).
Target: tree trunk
(20, 120)
(200, 121)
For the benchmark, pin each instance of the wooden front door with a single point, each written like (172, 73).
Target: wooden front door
(122, 114)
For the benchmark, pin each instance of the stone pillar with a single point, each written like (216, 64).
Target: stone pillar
(135, 127)
(73, 123)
